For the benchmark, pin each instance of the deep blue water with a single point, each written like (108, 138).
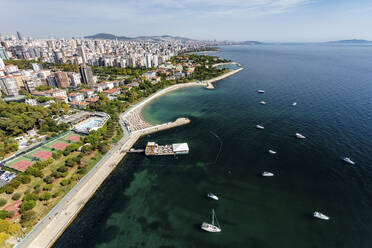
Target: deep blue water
(160, 202)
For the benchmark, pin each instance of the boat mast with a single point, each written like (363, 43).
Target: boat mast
(213, 217)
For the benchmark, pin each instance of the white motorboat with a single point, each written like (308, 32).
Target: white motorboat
(294, 104)
(348, 160)
(259, 127)
(320, 216)
(211, 227)
(212, 196)
(261, 91)
(272, 152)
(263, 102)
(300, 136)
(267, 174)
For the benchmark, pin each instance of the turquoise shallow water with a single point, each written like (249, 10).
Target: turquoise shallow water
(160, 202)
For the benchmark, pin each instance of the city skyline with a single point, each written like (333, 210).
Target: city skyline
(261, 20)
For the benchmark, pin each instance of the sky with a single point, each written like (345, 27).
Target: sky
(237, 20)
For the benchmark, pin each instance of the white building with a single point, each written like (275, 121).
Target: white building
(2, 65)
(9, 86)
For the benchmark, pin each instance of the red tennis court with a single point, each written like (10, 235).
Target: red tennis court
(21, 165)
(59, 146)
(43, 155)
(74, 138)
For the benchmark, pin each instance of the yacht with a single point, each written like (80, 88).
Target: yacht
(300, 136)
(320, 216)
(212, 196)
(348, 160)
(259, 127)
(267, 174)
(263, 102)
(294, 104)
(261, 91)
(211, 227)
(272, 152)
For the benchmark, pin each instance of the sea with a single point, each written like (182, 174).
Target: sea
(162, 201)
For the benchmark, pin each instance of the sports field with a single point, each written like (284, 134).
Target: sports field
(22, 162)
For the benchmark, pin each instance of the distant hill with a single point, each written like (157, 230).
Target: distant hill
(153, 38)
(251, 42)
(353, 41)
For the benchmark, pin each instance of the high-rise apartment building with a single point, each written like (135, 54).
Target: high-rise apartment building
(9, 86)
(3, 53)
(86, 74)
(19, 36)
(62, 79)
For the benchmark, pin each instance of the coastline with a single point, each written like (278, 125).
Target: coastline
(137, 109)
(52, 226)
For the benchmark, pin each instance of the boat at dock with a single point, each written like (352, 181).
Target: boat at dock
(267, 174)
(320, 216)
(259, 127)
(153, 149)
(260, 91)
(211, 227)
(300, 136)
(212, 196)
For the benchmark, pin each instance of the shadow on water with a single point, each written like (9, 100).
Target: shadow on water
(97, 211)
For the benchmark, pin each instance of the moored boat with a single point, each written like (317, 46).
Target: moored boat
(267, 174)
(300, 136)
(211, 227)
(348, 160)
(212, 196)
(320, 216)
(259, 127)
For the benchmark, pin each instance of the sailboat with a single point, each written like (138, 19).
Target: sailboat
(211, 227)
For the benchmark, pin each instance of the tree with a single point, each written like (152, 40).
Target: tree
(49, 179)
(45, 196)
(6, 214)
(103, 147)
(2, 202)
(27, 205)
(70, 162)
(65, 182)
(3, 237)
(57, 155)
(62, 169)
(27, 217)
(23, 179)
(48, 187)
(30, 197)
(16, 196)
